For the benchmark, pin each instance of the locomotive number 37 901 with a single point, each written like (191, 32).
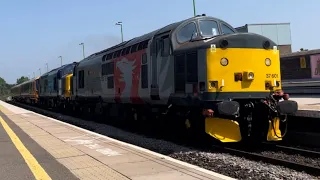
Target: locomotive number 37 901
(272, 75)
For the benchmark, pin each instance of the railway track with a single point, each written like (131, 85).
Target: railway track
(255, 156)
(276, 161)
(293, 150)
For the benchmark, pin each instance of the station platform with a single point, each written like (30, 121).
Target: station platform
(308, 107)
(34, 146)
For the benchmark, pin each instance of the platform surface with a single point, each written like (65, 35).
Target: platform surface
(308, 107)
(13, 164)
(64, 151)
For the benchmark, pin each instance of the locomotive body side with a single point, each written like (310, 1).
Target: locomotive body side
(26, 92)
(87, 89)
(16, 92)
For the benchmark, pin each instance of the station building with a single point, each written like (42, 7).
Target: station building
(280, 33)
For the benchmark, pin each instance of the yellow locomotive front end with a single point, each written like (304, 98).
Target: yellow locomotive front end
(244, 82)
(243, 70)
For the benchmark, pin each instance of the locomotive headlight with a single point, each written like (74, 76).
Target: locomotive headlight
(250, 75)
(213, 84)
(224, 61)
(268, 62)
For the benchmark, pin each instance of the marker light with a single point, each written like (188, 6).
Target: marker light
(213, 48)
(268, 62)
(212, 84)
(250, 75)
(224, 61)
(275, 48)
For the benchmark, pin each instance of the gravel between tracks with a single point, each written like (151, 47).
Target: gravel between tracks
(296, 158)
(222, 163)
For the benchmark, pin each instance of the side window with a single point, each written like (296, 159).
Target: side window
(226, 29)
(165, 50)
(110, 82)
(140, 45)
(134, 48)
(192, 67)
(144, 71)
(109, 68)
(179, 71)
(123, 52)
(186, 32)
(158, 45)
(110, 71)
(145, 44)
(109, 56)
(103, 71)
(81, 79)
(45, 84)
(118, 53)
(128, 50)
(37, 85)
(55, 83)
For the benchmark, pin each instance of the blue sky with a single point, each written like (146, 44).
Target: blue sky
(36, 32)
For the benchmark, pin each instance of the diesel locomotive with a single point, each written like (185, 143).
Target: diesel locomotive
(199, 72)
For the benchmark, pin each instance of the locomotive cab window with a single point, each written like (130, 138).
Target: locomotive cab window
(226, 29)
(209, 28)
(187, 33)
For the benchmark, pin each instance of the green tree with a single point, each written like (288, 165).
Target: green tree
(4, 88)
(22, 79)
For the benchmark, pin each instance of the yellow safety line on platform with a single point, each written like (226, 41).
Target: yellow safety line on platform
(35, 167)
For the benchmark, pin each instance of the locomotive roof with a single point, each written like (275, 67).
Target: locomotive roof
(26, 82)
(55, 70)
(150, 35)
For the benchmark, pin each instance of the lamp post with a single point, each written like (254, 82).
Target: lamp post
(82, 49)
(194, 7)
(60, 59)
(40, 71)
(120, 24)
